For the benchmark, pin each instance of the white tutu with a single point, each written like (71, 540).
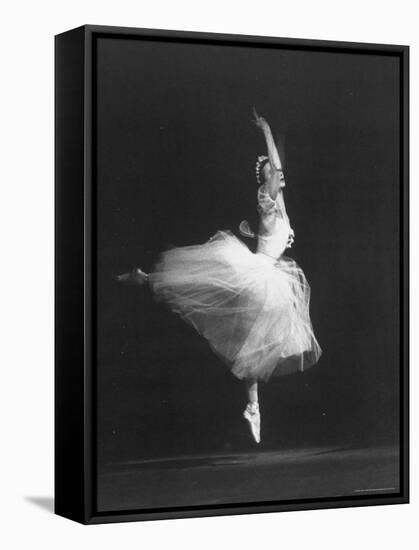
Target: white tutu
(252, 309)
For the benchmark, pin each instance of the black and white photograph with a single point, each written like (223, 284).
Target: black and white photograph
(247, 278)
(208, 298)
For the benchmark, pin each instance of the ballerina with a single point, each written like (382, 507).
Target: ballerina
(252, 308)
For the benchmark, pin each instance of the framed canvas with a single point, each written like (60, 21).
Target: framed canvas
(231, 274)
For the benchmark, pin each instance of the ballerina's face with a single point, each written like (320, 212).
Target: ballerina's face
(266, 172)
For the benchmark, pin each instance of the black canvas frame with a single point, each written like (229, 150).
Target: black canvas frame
(75, 377)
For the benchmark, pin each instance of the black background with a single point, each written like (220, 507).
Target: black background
(176, 150)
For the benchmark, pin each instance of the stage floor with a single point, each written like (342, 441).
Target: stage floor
(250, 477)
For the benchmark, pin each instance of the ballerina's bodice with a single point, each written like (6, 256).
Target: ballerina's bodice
(275, 233)
(276, 241)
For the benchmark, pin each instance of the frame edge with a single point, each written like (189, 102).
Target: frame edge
(69, 479)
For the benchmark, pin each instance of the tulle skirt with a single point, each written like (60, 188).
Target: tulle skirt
(252, 309)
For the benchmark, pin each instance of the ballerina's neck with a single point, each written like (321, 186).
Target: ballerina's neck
(272, 259)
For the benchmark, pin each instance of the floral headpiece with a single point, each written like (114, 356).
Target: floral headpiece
(260, 161)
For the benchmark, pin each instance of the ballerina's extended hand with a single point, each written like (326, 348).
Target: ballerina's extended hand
(260, 121)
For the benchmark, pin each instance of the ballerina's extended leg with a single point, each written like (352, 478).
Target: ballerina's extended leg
(136, 276)
(251, 412)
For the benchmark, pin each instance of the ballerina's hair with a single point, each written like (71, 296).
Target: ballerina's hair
(260, 163)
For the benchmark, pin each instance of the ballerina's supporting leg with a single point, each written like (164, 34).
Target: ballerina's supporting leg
(251, 412)
(252, 390)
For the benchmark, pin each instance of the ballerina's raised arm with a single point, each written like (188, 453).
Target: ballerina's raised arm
(275, 179)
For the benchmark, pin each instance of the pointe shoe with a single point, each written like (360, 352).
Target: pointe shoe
(135, 276)
(139, 276)
(252, 415)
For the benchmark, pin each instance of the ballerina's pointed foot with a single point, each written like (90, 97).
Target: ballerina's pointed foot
(252, 415)
(136, 276)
